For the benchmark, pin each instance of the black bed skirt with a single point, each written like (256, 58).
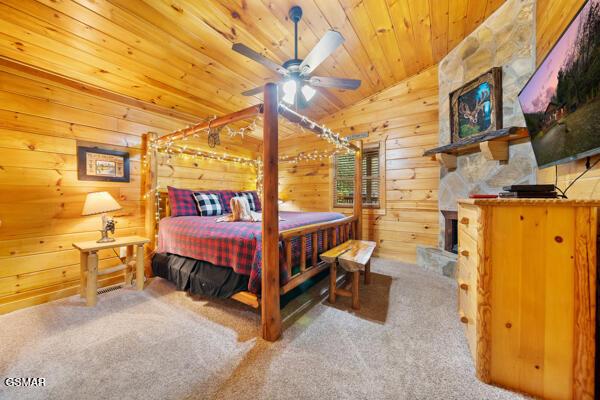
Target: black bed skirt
(198, 277)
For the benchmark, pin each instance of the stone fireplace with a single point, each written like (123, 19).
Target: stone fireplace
(506, 39)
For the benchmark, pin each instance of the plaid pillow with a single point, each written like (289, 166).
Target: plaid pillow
(226, 196)
(256, 201)
(255, 197)
(209, 204)
(181, 202)
(248, 196)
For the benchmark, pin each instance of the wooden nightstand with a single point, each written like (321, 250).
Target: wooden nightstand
(89, 264)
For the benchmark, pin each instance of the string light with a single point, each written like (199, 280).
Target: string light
(259, 176)
(183, 151)
(315, 155)
(169, 142)
(170, 149)
(242, 131)
(325, 133)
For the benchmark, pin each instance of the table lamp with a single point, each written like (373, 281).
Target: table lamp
(102, 203)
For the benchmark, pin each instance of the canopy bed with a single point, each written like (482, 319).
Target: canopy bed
(288, 250)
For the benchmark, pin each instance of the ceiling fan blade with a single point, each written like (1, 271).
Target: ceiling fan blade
(253, 92)
(340, 83)
(259, 58)
(327, 45)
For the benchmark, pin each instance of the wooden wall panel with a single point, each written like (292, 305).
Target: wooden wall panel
(405, 117)
(553, 16)
(41, 123)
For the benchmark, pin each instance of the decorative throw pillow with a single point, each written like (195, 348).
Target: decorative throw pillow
(209, 204)
(249, 197)
(182, 202)
(226, 196)
(256, 201)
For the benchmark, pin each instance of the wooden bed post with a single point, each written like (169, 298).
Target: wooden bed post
(358, 190)
(149, 186)
(270, 312)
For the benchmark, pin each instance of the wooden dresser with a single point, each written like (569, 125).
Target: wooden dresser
(527, 293)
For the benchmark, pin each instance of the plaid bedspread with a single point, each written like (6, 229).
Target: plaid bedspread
(235, 244)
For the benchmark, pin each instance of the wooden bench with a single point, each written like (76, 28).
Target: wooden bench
(354, 256)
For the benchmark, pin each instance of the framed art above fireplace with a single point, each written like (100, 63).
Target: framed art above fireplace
(476, 107)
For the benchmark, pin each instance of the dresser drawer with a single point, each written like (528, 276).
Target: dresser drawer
(469, 325)
(468, 220)
(465, 269)
(466, 298)
(466, 281)
(467, 312)
(467, 244)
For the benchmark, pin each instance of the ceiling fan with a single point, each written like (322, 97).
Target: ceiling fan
(297, 82)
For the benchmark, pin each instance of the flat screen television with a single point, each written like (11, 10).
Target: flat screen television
(561, 101)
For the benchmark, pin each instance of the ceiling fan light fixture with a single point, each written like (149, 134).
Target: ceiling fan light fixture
(308, 92)
(289, 91)
(296, 72)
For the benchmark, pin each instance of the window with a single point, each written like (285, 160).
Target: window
(343, 181)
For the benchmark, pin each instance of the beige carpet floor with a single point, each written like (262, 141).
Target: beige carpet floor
(405, 343)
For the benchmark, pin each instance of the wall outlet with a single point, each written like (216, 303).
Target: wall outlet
(122, 252)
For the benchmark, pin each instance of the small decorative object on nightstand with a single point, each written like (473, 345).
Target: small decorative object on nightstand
(102, 203)
(89, 264)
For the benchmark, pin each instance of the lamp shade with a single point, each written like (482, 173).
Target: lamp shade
(98, 203)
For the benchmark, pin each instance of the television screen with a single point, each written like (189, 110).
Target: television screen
(561, 101)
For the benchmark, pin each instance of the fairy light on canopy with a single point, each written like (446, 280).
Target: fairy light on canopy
(167, 144)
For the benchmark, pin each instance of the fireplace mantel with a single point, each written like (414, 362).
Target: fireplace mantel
(493, 145)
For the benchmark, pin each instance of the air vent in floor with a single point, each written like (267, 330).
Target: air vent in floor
(110, 289)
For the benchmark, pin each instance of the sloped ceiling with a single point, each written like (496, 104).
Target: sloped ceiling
(177, 54)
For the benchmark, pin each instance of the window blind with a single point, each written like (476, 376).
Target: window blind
(344, 179)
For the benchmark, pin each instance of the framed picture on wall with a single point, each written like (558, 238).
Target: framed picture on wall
(98, 164)
(476, 107)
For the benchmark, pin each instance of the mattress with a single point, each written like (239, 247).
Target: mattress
(236, 245)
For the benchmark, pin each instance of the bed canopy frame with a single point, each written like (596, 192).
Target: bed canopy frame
(332, 232)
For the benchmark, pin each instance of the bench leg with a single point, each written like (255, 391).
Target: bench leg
(355, 282)
(332, 281)
(92, 279)
(139, 271)
(129, 263)
(368, 273)
(83, 274)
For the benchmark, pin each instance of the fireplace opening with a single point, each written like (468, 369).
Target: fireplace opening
(450, 231)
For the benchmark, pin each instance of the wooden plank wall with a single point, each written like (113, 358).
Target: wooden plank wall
(405, 117)
(202, 174)
(41, 198)
(304, 186)
(553, 16)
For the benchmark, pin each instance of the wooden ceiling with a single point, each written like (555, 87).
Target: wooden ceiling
(176, 54)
